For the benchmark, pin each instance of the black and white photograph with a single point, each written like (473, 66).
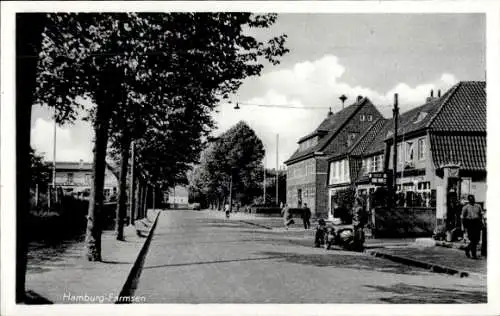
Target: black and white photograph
(238, 155)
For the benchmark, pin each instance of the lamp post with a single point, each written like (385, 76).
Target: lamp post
(277, 167)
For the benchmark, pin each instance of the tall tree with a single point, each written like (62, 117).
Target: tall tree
(236, 155)
(188, 60)
(29, 28)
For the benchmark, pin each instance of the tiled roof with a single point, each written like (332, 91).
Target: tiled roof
(333, 123)
(378, 145)
(469, 151)
(366, 141)
(462, 108)
(465, 109)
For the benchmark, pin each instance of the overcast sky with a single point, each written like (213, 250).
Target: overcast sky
(374, 55)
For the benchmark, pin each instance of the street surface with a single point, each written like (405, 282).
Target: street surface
(199, 257)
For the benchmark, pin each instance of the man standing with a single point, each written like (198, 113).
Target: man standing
(306, 217)
(471, 224)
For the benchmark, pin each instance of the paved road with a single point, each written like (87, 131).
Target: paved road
(197, 257)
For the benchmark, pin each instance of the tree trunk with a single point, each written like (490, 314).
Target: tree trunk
(29, 28)
(121, 209)
(145, 209)
(132, 184)
(93, 235)
(137, 203)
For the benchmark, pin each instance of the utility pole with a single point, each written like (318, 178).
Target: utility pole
(54, 163)
(395, 115)
(277, 167)
(264, 183)
(231, 192)
(132, 182)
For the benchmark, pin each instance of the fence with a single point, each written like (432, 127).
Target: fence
(404, 222)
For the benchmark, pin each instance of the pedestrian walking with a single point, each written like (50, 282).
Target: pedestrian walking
(484, 238)
(471, 224)
(359, 220)
(287, 216)
(227, 209)
(306, 217)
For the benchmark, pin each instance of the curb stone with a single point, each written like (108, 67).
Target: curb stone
(425, 265)
(131, 283)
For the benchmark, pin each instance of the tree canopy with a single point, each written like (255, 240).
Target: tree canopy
(237, 154)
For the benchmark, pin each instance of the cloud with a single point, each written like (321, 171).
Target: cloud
(72, 142)
(316, 83)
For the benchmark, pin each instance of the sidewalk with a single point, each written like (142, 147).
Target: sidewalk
(59, 279)
(410, 251)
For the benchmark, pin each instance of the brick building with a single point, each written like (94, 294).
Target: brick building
(361, 157)
(307, 168)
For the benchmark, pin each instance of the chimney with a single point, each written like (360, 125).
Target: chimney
(439, 93)
(360, 97)
(431, 97)
(330, 111)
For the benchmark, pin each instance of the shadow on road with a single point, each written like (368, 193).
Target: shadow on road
(347, 261)
(416, 294)
(208, 262)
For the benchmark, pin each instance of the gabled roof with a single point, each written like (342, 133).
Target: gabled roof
(467, 150)
(332, 124)
(371, 136)
(461, 109)
(378, 145)
(464, 110)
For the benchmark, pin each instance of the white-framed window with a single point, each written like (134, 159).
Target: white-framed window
(380, 163)
(421, 149)
(346, 170)
(370, 118)
(410, 151)
(368, 162)
(400, 153)
(362, 117)
(374, 164)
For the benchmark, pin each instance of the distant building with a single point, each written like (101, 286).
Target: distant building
(76, 178)
(307, 168)
(178, 197)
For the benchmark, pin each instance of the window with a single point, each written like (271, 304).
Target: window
(421, 149)
(370, 118)
(410, 150)
(70, 177)
(380, 164)
(346, 170)
(368, 162)
(362, 117)
(88, 179)
(400, 153)
(350, 138)
(341, 174)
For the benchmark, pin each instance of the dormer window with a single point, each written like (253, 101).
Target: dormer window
(362, 117)
(370, 118)
(420, 117)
